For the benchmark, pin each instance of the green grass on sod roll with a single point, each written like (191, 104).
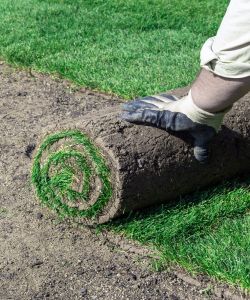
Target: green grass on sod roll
(53, 177)
(131, 48)
(205, 232)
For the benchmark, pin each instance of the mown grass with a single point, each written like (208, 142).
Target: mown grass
(128, 47)
(136, 48)
(205, 232)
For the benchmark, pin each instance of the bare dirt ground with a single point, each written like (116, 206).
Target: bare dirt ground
(44, 258)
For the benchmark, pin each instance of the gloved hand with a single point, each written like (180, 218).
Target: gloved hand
(170, 113)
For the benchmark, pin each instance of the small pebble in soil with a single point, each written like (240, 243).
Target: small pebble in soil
(133, 276)
(109, 273)
(173, 297)
(112, 267)
(39, 216)
(22, 94)
(83, 292)
(80, 272)
(36, 263)
(29, 149)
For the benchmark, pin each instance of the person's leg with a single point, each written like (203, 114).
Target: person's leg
(214, 93)
(228, 53)
(225, 61)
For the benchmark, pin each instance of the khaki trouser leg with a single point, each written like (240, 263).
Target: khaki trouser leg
(228, 53)
(225, 61)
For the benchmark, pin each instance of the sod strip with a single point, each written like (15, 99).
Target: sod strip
(67, 163)
(146, 165)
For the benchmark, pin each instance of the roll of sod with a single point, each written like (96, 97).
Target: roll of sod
(102, 167)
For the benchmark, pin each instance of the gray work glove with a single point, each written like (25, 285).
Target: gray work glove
(179, 115)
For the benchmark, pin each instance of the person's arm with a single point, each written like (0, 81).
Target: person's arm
(224, 78)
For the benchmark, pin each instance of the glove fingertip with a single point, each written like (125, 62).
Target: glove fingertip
(126, 106)
(132, 117)
(201, 154)
(124, 115)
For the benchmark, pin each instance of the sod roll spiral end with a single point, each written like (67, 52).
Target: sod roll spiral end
(72, 177)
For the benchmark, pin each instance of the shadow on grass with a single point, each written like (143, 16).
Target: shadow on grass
(207, 231)
(193, 199)
(196, 214)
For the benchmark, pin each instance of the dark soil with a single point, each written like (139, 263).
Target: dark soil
(42, 257)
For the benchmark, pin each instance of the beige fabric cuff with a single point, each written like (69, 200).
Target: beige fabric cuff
(198, 115)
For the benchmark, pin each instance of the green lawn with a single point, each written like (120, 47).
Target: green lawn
(131, 48)
(205, 232)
